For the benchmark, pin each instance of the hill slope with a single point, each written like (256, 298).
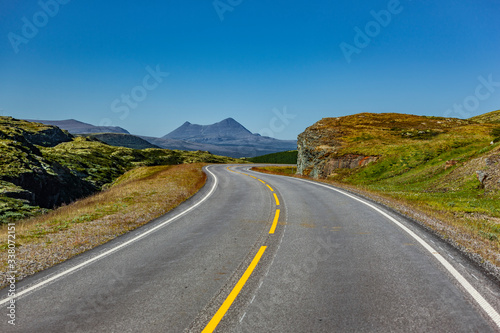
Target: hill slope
(354, 141)
(490, 117)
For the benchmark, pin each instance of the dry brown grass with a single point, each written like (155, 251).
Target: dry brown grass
(134, 199)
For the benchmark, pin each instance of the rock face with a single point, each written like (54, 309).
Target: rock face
(27, 175)
(320, 152)
(47, 190)
(490, 176)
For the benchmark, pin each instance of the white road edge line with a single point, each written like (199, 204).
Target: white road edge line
(483, 303)
(114, 249)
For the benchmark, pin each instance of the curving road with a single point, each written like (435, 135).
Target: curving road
(262, 253)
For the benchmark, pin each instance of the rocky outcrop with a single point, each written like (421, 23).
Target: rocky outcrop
(31, 134)
(320, 152)
(49, 137)
(27, 175)
(49, 190)
(489, 177)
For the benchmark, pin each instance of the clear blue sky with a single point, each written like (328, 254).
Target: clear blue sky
(244, 59)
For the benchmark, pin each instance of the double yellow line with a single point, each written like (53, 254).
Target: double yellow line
(277, 215)
(237, 288)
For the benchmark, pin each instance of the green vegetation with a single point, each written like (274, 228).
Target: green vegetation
(490, 117)
(42, 167)
(285, 157)
(413, 164)
(496, 134)
(277, 170)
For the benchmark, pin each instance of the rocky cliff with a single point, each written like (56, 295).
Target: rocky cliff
(321, 149)
(29, 176)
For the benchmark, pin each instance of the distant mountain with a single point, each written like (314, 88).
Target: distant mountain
(227, 129)
(77, 127)
(121, 140)
(227, 137)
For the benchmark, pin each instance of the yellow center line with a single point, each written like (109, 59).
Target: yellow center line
(270, 188)
(275, 222)
(234, 293)
(263, 182)
(276, 198)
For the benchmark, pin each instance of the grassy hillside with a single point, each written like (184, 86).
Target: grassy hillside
(42, 167)
(490, 117)
(285, 157)
(426, 159)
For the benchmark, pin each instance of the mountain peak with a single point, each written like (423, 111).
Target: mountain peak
(222, 130)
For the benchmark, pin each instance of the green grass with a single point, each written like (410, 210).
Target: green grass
(286, 157)
(490, 117)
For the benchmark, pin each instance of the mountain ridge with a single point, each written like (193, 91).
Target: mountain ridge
(226, 137)
(78, 127)
(225, 129)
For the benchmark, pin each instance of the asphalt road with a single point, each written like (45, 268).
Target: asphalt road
(226, 260)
